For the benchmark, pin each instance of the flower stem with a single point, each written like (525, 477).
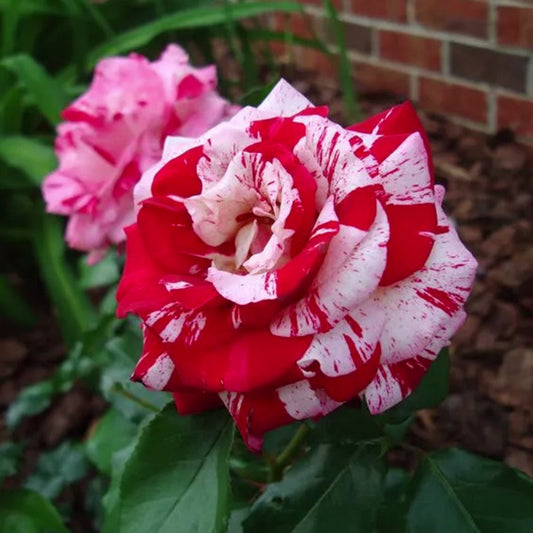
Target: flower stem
(119, 389)
(287, 454)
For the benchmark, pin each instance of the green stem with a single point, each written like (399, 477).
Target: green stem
(119, 389)
(286, 456)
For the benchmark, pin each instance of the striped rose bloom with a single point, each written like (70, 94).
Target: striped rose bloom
(283, 265)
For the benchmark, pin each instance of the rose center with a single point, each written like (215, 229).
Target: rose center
(252, 239)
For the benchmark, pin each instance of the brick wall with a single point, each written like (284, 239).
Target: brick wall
(469, 59)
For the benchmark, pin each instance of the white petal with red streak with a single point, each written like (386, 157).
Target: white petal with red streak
(192, 321)
(385, 390)
(417, 306)
(342, 286)
(284, 100)
(267, 259)
(215, 212)
(257, 287)
(301, 401)
(306, 156)
(333, 350)
(223, 143)
(244, 289)
(405, 174)
(158, 375)
(328, 145)
(173, 323)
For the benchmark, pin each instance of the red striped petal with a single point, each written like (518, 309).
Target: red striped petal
(241, 365)
(412, 227)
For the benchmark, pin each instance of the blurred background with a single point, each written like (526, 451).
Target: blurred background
(466, 64)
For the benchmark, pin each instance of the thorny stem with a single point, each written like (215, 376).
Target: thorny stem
(119, 389)
(287, 454)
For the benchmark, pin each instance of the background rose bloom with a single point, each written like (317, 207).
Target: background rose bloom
(285, 265)
(115, 131)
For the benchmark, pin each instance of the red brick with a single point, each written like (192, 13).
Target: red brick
(358, 37)
(404, 48)
(490, 66)
(373, 78)
(515, 26)
(453, 98)
(516, 114)
(469, 17)
(395, 10)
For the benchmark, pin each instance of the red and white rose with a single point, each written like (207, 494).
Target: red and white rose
(115, 131)
(284, 265)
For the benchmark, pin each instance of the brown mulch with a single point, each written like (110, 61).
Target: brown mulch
(489, 410)
(489, 185)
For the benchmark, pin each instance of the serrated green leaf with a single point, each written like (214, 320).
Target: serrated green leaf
(333, 488)
(457, 491)
(25, 511)
(349, 425)
(113, 433)
(111, 499)
(187, 19)
(33, 158)
(177, 478)
(393, 509)
(46, 92)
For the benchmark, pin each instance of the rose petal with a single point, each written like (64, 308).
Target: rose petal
(393, 125)
(240, 365)
(286, 280)
(412, 227)
(394, 382)
(257, 413)
(166, 228)
(347, 347)
(349, 275)
(327, 153)
(193, 402)
(179, 176)
(284, 100)
(155, 369)
(416, 306)
(141, 289)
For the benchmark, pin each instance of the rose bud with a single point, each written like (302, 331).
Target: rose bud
(284, 265)
(115, 131)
